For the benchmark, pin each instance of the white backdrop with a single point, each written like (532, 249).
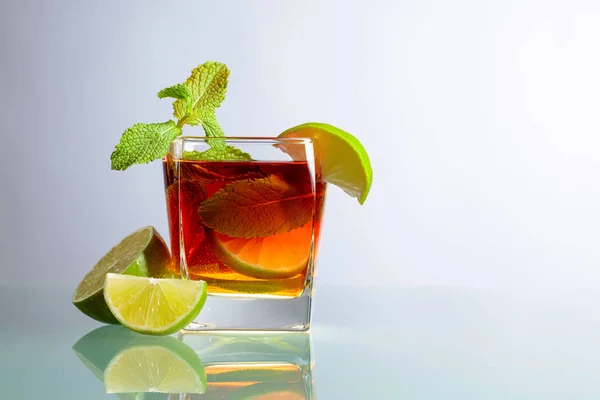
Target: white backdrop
(480, 116)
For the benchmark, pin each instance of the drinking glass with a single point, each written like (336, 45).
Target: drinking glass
(248, 228)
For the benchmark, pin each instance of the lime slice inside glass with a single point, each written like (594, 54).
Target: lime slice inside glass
(142, 253)
(344, 160)
(154, 306)
(155, 364)
(263, 257)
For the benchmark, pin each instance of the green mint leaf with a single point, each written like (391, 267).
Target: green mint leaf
(229, 153)
(257, 208)
(179, 91)
(143, 143)
(211, 126)
(213, 131)
(207, 85)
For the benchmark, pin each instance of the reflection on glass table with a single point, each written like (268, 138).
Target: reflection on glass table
(254, 366)
(205, 366)
(132, 365)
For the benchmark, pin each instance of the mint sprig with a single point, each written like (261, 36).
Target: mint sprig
(196, 101)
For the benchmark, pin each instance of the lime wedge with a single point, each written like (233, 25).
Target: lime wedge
(344, 161)
(154, 306)
(143, 253)
(162, 365)
(262, 257)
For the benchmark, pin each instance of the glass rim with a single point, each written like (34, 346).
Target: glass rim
(247, 139)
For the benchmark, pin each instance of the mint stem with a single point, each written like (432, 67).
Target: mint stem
(182, 121)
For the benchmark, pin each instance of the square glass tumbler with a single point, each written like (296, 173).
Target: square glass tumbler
(248, 228)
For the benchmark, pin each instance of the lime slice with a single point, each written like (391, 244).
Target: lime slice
(154, 306)
(142, 253)
(263, 257)
(344, 161)
(155, 364)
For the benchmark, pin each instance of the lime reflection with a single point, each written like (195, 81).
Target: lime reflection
(135, 366)
(253, 366)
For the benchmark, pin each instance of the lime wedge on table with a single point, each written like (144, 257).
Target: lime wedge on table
(142, 253)
(153, 364)
(344, 160)
(154, 306)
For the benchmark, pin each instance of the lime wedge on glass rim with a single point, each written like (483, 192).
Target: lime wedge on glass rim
(142, 253)
(154, 306)
(344, 160)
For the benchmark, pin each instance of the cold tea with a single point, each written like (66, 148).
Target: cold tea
(244, 227)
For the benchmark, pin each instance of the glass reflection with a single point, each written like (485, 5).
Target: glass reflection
(206, 366)
(254, 365)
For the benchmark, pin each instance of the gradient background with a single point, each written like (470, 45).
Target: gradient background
(480, 117)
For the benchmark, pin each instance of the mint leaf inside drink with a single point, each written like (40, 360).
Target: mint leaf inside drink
(258, 208)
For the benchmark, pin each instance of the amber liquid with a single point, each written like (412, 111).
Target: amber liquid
(242, 261)
(276, 381)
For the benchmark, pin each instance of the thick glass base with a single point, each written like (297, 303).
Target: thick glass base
(229, 313)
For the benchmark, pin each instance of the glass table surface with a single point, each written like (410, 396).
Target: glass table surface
(365, 343)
